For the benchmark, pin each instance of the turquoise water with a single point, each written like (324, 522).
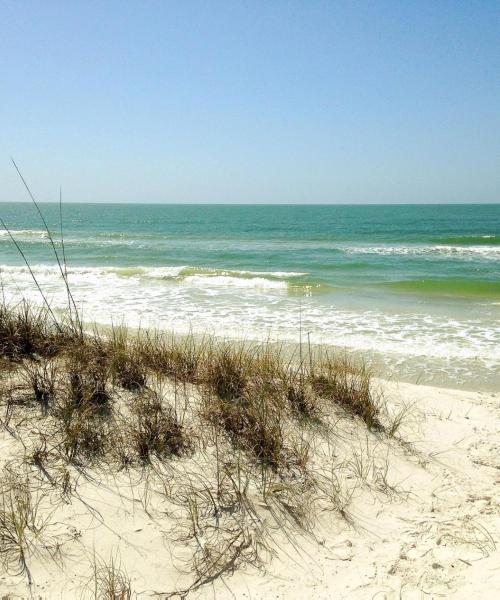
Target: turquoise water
(416, 286)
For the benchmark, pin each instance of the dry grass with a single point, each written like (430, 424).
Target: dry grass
(82, 428)
(218, 524)
(22, 526)
(179, 359)
(248, 415)
(251, 421)
(155, 428)
(348, 385)
(108, 580)
(227, 371)
(26, 332)
(230, 372)
(301, 397)
(126, 366)
(41, 380)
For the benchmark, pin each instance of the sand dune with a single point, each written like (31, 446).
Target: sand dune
(407, 517)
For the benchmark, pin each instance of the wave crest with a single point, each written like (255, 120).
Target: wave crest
(467, 252)
(186, 275)
(39, 233)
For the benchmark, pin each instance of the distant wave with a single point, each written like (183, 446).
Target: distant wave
(37, 233)
(466, 252)
(479, 248)
(226, 280)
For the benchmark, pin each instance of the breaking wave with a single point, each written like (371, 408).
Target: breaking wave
(489, 252)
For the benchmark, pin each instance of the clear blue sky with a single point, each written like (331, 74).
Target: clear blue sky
(258, 101)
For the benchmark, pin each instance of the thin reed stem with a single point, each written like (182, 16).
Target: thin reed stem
(14, 241)
(71, 300)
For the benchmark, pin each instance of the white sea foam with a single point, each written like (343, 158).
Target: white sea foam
(154, 272)
(190, 275)
(229, 281)
(188, 272)
(277, 274)
(23, 233)
(466, 252)
(53, 270)
(252, 307)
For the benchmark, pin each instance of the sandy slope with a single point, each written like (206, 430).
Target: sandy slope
(421, 518)
(436, 537)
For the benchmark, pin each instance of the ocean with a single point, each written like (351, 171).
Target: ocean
(413, 288)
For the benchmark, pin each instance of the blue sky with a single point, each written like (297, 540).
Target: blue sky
(275, 101)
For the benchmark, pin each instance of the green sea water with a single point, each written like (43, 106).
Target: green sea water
(416, 286)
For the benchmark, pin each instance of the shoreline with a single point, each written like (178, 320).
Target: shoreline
(394, 369)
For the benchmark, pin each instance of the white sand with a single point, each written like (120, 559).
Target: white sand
(423, 520)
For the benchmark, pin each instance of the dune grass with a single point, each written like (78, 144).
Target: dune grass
(248, 392)
(149, 401)
(22, 526)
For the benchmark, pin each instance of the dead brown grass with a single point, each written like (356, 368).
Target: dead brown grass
(125, 401)
(155, 428)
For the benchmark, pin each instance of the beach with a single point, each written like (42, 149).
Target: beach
(219, 408)
(250, 300)
(419, 516)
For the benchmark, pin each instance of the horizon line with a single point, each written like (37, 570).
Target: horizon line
(160, 203)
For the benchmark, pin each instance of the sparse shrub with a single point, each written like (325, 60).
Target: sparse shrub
(219, 525)
(88, 372)
(21, 527)
(176, 358)
(129, 373)
(230, 415)
(85, 436)
(88, 386)
(301, 398)
(109, 581)
(263, 433)
(228, 371)
(26, 332)
(184, 361)
(252, 422)
(347, 385)
(156, 430)
(125, 362)
(41, 378)
(83, 429)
